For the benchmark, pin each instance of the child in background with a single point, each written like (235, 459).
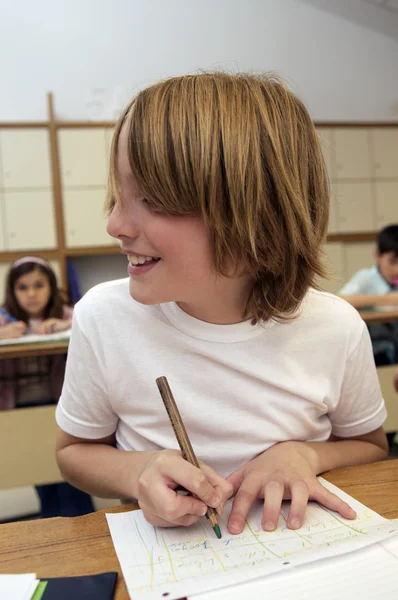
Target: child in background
(377, 286)
(219, 198)
(34, 303)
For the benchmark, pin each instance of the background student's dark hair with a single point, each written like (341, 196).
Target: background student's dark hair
(58, 298)
(387, 240)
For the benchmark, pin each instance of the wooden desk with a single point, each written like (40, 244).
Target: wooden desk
(82, 545)
(388, 316)
(36, 349)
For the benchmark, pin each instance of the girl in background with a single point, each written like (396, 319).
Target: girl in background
(34, 303)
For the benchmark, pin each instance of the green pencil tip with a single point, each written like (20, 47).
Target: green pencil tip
(217, 531)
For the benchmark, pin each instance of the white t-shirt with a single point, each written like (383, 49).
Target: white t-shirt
(240, 388)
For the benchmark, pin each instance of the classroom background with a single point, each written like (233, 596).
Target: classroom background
(69, 67)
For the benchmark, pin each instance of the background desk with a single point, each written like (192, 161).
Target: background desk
(36, 349)
(387, 316)
(82, 545)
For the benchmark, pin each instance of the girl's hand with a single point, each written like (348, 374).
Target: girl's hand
(285, 471)
(52, 326)
(157, 497)
(12, 330)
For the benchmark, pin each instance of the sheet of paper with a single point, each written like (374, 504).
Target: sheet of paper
(34, 338)
(160, 562)
(370, 574)
(18, 587)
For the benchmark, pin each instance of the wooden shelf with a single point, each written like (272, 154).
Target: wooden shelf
(355, 124)
(368, 236)
(92, 251)
(26, 125)
(15, 254)
(84, 124)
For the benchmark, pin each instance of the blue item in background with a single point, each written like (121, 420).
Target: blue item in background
(4, 313)
(75, 292)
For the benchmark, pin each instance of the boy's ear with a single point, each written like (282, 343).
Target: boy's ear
(377, 255)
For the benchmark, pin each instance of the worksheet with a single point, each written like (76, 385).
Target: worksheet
(176, 562)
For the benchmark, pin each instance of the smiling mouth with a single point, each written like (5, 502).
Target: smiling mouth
(136, 260)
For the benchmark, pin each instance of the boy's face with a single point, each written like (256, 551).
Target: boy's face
(176, 249)
(388, 266)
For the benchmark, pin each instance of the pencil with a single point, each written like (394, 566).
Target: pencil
(183, 440)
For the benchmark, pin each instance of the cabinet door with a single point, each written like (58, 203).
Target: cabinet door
(335, 262)
(3, 276)
(3, 247)
(386, 203)
(29, 219)
(352, 153)
(355, 207)
(333, 211)
(85, 222)
(385, 152)
(25, 158)
(108, 142)
(83, 157)
(358, 255)
(326, 137)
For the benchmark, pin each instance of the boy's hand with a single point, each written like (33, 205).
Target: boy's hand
(285, 471)
(52, 326)
(12, 330)
(157, 497)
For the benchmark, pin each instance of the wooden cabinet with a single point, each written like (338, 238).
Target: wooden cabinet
(29, 220)
(362, 164)
(334, 254)
(25, 159)
(355, 207)
(2, 229)
(26, 194)
(386, 210)
(83, 157)
(352, 153)
(326, 138)
(85, 221)
(358, 255)
(385, 152)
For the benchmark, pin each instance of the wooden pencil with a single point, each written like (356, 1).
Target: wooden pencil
(183, 440)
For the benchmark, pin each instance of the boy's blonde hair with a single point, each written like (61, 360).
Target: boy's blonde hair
(241, 151)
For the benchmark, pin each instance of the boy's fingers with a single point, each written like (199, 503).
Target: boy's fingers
(273, 495)
(223, 487)
(246, 495)
(299, 493)
(333, 502)
(235, 479)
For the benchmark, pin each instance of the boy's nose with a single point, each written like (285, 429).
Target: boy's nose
(119, 226)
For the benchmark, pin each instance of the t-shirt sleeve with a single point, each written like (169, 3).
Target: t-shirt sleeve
(84, 409)
(358, 284)
(361, 408)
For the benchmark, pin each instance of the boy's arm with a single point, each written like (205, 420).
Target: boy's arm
(343, 452)
(99, 468)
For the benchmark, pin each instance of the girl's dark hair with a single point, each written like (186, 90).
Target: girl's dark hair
(54, 308)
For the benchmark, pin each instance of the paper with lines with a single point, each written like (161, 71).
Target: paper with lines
(173, 563)
(369, 574)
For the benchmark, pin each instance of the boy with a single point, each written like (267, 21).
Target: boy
(377, 286)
